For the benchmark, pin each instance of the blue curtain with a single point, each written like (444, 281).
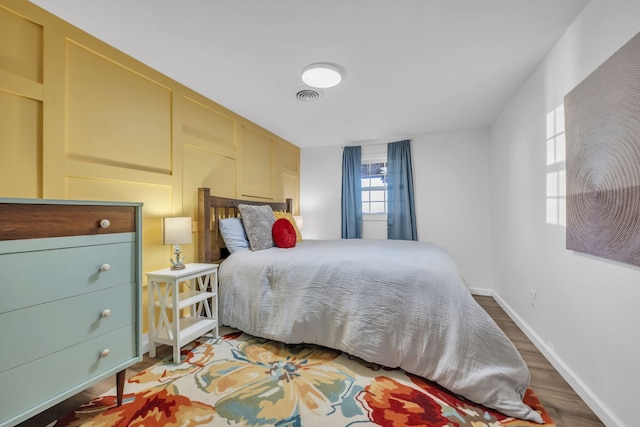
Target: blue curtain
(401, 218)
(351, 193)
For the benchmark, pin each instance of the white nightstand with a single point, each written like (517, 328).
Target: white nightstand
(199, 294)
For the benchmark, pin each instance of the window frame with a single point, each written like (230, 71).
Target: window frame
(373, 154)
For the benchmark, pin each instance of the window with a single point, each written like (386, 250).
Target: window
(374, 188)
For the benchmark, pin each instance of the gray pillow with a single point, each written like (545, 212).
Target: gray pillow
(233, 234)
(258, 221)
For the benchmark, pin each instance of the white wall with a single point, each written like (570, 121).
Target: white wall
(452, 182)
(320, 191)
(586, 319)
(453, 199)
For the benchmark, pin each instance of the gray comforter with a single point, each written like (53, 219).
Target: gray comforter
(395, 303)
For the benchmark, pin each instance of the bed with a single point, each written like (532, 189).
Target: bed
(395, 303)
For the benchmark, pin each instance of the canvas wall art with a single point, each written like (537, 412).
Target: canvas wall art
(602, 123)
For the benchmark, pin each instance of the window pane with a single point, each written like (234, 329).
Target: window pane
(377, 181)
(379, 168)
(377, 196)
(374, 187)
(377, 207)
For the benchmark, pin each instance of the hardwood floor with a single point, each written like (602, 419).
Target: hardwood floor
(66, 406)
(563, 404)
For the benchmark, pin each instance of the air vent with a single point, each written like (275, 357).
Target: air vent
(308, 95)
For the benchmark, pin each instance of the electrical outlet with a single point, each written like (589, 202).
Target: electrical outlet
(534, 298)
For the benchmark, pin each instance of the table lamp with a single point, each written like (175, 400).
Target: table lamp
(176, 231)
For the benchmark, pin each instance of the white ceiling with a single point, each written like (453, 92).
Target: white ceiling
(412, 66)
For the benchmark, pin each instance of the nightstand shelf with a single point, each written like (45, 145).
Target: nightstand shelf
(200, 297)
(188, 298)
(190, 329)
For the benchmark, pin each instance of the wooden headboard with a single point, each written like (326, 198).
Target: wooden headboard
(213, 208)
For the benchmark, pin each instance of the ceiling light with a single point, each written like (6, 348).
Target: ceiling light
(321, 75)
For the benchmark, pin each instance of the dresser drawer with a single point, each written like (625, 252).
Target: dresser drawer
(32, 278)
(33, 221)
(46, 328)
(35, 386)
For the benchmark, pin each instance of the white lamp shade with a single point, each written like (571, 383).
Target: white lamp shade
(176, 230)
(321, 75)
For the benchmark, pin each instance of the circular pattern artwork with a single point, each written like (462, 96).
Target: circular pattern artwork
(602, 117)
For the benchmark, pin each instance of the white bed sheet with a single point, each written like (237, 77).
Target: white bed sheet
(395, 303)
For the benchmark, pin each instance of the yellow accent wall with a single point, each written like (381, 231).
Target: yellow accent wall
(82, 120)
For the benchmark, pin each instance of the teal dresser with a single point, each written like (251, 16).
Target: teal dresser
(70, 300)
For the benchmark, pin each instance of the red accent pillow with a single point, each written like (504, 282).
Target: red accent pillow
(284, 235)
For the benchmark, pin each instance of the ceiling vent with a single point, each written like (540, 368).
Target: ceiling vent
(308, 95)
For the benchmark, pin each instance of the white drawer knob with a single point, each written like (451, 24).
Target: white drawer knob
(105, 267)
(105, 223)
(105, 313)
(104, 353)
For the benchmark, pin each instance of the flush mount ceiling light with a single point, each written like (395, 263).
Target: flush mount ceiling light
(321, 75)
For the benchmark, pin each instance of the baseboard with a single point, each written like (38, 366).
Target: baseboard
(596, 405)
(481, 291)
(145, 344)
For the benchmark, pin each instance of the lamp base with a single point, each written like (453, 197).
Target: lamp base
(178, 263)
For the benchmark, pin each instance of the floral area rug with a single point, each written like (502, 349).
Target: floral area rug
(241, 380)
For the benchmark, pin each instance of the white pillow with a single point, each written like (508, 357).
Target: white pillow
(233, 234)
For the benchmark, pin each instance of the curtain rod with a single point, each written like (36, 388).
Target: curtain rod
(373, 144)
